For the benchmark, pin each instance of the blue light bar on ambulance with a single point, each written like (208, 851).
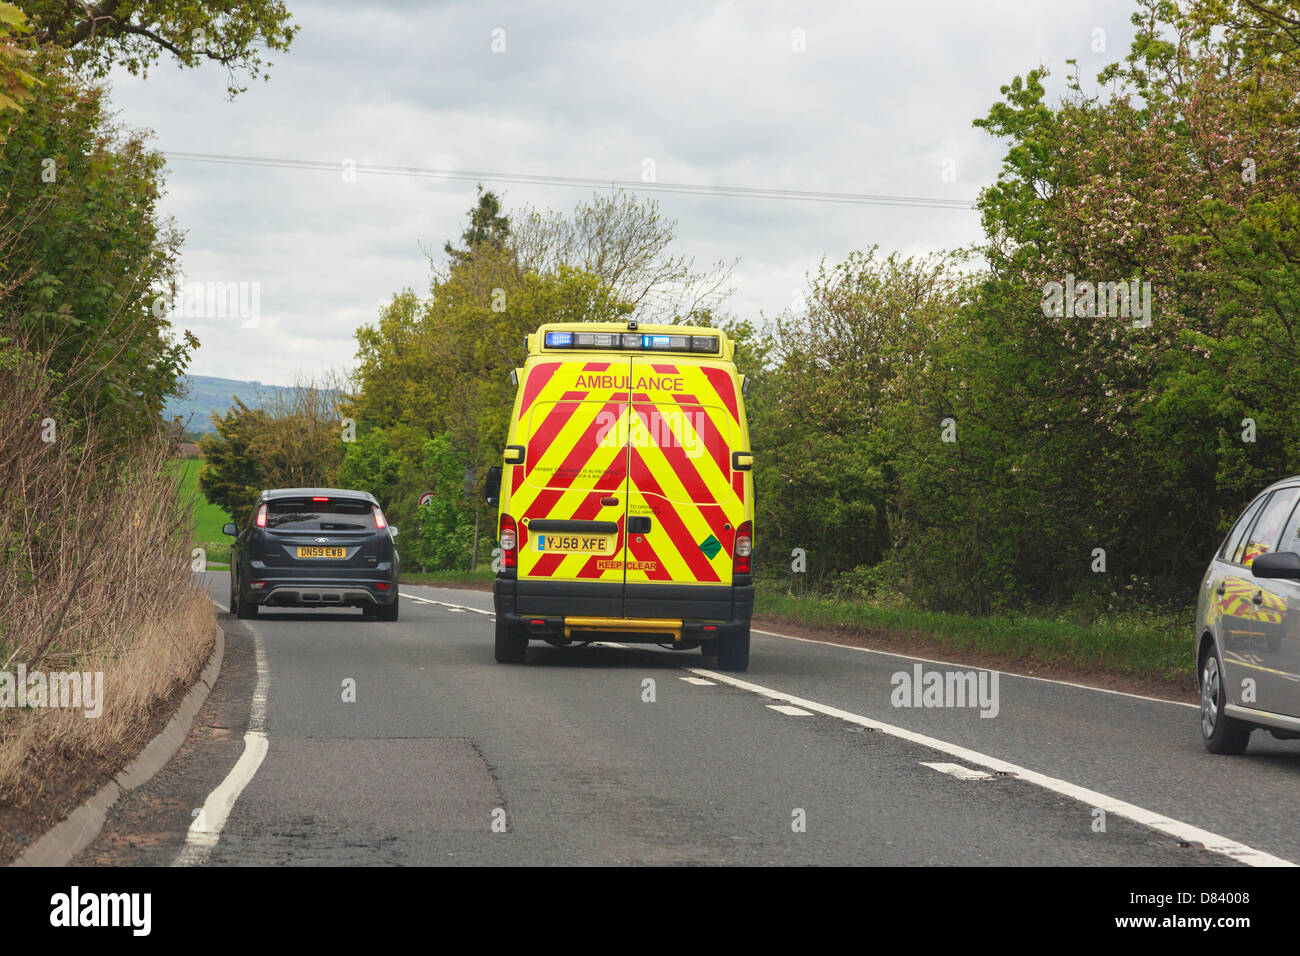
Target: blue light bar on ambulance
(632, 341)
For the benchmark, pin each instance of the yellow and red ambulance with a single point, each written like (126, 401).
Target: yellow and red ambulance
(626, 493)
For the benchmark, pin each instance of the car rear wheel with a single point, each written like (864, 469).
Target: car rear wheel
(1221, 734)
(387, 612)
(511, 644)
(733, 650)
(239, 607)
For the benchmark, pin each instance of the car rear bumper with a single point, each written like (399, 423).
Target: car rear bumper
(301, 592)
(582, 610)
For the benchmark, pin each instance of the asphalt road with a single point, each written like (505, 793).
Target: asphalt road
(447, 757)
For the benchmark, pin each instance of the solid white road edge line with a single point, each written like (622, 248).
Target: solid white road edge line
(206, 829)
(1091, 798)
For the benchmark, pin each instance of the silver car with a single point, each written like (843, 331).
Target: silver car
(1248, 625)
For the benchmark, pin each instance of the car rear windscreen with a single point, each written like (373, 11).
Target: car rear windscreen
(306, 514)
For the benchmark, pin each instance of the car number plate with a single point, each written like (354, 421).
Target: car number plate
(315, 552)
(572, 543)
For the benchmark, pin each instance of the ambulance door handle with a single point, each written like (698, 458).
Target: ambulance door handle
(1257, 598)
(639, 524)
(1221, 590)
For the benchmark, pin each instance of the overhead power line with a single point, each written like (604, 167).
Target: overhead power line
(735, 192)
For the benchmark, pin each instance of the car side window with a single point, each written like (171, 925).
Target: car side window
(1290, 540)
(1267, 531)
(1231, 550)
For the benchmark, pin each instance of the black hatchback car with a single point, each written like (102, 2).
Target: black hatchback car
(314, 547)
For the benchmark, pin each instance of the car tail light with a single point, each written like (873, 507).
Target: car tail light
(509, 542)
(257, 585)
(744, 548)
(261, 516)
(382, 585)
(319, 498)
(379, 519)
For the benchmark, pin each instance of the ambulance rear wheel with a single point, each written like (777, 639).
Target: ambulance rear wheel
(511, 644)
(733, 651)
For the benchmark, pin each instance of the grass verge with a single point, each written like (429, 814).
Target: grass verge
(1154, 647)
(480, 580)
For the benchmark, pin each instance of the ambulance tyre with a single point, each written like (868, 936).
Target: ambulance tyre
(709, 648)
(511, 645)
(733, 650)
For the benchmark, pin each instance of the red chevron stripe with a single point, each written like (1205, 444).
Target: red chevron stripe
(589, 508)
(537, 379)
(738, 485)
(708, 432)
(685, 471)
(722, 384)
(545, 433)
(516, 477)
(643, 551)
(678, 534)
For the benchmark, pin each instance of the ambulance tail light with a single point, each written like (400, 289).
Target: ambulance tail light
(509, 543)
(744, 550)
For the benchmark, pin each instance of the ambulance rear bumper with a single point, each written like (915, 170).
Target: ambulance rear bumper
(541, 607)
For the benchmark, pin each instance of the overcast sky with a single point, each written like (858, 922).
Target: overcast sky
(881, 97)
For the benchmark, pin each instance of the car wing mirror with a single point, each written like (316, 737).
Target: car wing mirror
(1276, 564)
(230, 529)
(492, 485)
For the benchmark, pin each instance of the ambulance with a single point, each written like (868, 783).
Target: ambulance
(626, 494)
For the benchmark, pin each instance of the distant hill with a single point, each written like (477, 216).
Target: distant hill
(208, 394)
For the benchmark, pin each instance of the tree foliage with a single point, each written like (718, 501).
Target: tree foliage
(87, 251)
(136, 33)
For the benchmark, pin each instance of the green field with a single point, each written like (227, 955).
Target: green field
(208, 518)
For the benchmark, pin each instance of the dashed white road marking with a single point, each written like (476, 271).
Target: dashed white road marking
(1184, 832)
(458, 608)
(698, 681)
(958, 771)
(789, 711)
(206, 829)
